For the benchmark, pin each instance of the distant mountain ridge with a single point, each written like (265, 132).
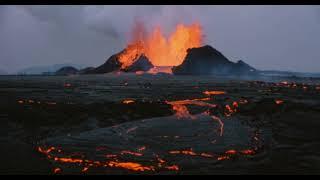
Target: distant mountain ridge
(46, 69)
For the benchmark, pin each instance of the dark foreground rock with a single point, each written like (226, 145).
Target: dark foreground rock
(42, 108)
(21, 158)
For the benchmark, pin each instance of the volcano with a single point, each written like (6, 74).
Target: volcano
(207, 60)
(140, 63)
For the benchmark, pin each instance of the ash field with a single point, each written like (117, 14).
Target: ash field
(159, 124)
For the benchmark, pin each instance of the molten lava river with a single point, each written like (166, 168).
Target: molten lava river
(183, 142)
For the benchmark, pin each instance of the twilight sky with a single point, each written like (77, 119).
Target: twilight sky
(266, 37)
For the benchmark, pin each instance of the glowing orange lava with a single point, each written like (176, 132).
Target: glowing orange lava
(57, 170)
(128, 101)
(130, 166)
(85, 169)
(214, 92)
(223, 158)
(161, 50)
(247, 152)
(173, 167)
(181, 111)
(279, 101)
(231, 152)
(131, 153)
(68, 160)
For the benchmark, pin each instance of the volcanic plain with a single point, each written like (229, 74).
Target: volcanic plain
(126, 123)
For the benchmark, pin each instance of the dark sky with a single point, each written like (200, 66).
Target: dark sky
(267, 37)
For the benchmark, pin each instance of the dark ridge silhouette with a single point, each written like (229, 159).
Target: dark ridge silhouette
(68, 70)
(112, 64)
(207, 60)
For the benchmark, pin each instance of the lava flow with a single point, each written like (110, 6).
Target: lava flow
(119, 159)
(161, 50)
(112, 161)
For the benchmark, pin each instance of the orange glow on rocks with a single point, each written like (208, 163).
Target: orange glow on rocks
(231, 152)
(220, 158)
(68, 160)
(57, 170)
(278, 101)
(131, 153)
(130, 166)
(127, 101)
(173, 167)
(214, 92)
(248, 152)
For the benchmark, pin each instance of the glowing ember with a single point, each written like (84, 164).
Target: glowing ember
(139, 72)
(85, 169)
(57, 170)
(68, 160)
(46, 151)
(173, 167)
(181, 111)
(247, 152)
(160, 50)
(284, 82)
(161, 161)
(231, 152)
(206, 155)
(235, 104)
(191, 153)
(220, 158)
(142, 148)
(243, 101)
(279, 101)
(214, 92)
(67, 85)
(127, 101)
(229, 110)
(131, 153)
